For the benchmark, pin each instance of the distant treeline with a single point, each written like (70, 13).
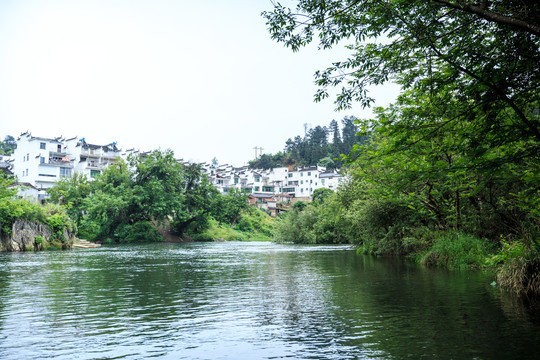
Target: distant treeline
(321, 145)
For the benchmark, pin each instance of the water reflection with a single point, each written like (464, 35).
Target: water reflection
(250, 301)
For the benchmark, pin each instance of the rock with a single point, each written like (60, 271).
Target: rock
(23, 236)
(84, 244)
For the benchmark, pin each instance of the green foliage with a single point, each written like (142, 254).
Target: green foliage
(217, 231)
(199, 202)
(142, 231)
(517, 267)
(8, 145)
(55, 217)
(299, 206)
(456, 250)
(13, 209)
(322, 222)
(228, 209)
(320, 195)
(5, 190)
(254, 225)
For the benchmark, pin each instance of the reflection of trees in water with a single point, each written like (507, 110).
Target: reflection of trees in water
(519, 308)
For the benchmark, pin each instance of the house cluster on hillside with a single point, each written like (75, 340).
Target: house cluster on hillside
(39, 162)
(282, 184)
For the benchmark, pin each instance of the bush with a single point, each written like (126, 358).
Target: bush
(142, 231)
(517, 268)
(455, 250)
(384, 227)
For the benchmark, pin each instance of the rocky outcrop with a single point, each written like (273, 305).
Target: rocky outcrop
(30, 235)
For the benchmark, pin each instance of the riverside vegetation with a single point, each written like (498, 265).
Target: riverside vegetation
(451, 172)
(59, 226)
(133, 201)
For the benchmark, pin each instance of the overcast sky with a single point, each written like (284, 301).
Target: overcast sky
(202, 78)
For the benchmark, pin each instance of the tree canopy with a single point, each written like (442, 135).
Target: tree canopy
(483, 54)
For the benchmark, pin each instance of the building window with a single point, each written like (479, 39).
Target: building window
(311, 181)
(288, 190)
(301, 174)
(268, 188)
(94, 173)
(65, 172)
(322, 181)
(256, 188)
(26, 172)
(309, 173)
(301, 190)
(236, 180)
(301, 181)
(27, 157)
(257, 179)
(290, 175)
(42, 160)
(42, 146)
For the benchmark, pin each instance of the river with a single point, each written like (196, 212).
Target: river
(237, 300)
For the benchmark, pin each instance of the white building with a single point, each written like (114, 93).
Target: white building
(42, 161)
(279, 182)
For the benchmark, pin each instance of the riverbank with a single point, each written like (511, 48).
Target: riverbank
(514, 265)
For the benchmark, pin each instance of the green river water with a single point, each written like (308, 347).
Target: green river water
(252, 301)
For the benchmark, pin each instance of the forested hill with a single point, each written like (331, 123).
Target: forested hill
(321, 145)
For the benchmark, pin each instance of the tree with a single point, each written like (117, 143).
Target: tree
(228, 208)
(8, 145)
(6, 189)
(320, 195)
(485, 53)
(198, 204)
(158, 186)
(336, 139)
(348, 134)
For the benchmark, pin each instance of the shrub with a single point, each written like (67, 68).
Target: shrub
(517, 267)
(456, 250)
(142, 231)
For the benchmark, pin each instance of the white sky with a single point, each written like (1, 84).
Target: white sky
(202, 78)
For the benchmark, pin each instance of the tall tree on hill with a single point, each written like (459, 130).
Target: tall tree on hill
(348, 134)
(318, 143)
(336, 139)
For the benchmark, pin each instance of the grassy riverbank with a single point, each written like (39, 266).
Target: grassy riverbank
(254, 225)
